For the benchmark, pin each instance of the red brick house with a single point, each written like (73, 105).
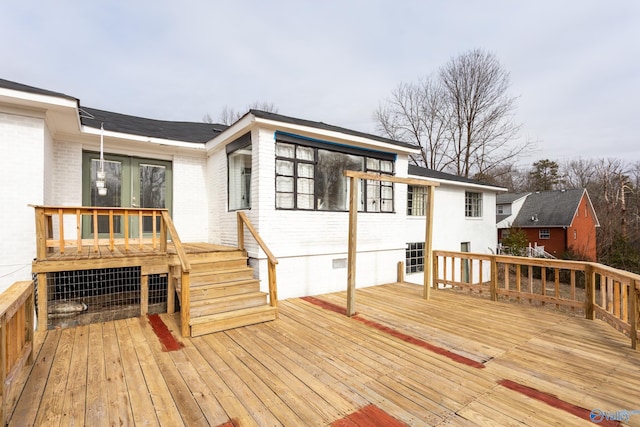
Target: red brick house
(559, 220)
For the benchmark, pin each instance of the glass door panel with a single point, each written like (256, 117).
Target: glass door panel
(113, 198)
(152, 191)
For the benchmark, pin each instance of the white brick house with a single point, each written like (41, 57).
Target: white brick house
(286, 173)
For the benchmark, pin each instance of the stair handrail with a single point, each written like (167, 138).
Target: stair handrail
(185, 304)
(272, 260)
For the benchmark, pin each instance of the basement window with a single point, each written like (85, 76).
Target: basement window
(414, 262)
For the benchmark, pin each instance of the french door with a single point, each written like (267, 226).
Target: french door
(130, 182)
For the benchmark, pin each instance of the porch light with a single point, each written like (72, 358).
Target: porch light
(100, 175)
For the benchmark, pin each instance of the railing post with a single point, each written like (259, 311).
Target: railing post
(41, 234)
(493, 285)
(185, 304)
(240, 230)
(43, 299)
(400, 272)
(352, 243)
(634, 288)
(273, 290)
(590, 292)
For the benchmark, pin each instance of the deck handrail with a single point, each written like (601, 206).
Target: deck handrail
(45, 240)
(185, 279)
(16, 340)
(272, 260)
(611, 294)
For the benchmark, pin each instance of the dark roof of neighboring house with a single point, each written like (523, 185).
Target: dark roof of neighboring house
(177, 131)
(430, 173)
(320, 125)
(500, 217)
(549, 209)
(509, 197)
(7, 84)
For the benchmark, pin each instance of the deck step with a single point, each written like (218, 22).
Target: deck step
(232, 319)
(226, 264)
(221, 276)
(225, 304)
(219, 290)
(203, 257)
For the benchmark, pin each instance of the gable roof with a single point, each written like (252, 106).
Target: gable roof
(199, 132)
(434, 174)
(324, 126)
(7, 84)
(549, 209)
(505, 198)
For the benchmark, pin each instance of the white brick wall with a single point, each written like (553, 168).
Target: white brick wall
(307, 243)
(22, 140)
(189, 197)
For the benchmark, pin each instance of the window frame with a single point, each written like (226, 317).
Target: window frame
(473, 204)
(366, 187)
(242, 143)
(412, 253)
(416, 206)
(544, 233)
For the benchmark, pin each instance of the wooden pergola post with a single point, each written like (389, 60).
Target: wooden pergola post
(353, 226)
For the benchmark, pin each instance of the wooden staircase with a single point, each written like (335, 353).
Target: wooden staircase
(223, 293)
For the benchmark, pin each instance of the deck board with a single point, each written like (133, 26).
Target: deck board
(314, 366)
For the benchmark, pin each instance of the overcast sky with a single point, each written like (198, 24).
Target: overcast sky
(574, 65)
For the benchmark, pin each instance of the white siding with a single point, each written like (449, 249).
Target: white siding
(190, 197)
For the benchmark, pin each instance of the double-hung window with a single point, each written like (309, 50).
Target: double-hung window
(472, 204)
(416, 200)
(309, 176)
(239, 173)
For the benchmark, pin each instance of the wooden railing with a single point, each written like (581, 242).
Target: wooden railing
(272, 261)
(185, 279)
(50, 237)
(16, 340)
(604, 292)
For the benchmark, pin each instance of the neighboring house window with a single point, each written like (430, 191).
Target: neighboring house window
(505, 233)
(416, 200)
(472, 204)
(544, 233)
(500, 209)
(239, 173)
(415, 257)
(311, 178)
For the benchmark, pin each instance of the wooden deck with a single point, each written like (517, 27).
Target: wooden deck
(453, 360)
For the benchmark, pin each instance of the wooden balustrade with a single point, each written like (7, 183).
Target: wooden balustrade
(130, 222)
(16, 340)
(603, 292)
(243, 221)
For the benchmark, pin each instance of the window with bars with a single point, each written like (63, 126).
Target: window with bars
(472, 204)
(414, 262)
(416, 200)
(311, 178)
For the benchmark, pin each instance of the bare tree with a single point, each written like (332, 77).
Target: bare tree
(461, 119)
(229, 116)
(416, 113)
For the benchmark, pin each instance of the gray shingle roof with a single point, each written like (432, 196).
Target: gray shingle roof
(177, 131)
(430, 173)
(549, 209)
(7, 84)
(324, 126)
(504, 198)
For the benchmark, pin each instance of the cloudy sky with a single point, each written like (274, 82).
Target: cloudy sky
(574, 64)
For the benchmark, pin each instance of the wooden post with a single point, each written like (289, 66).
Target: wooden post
(153, 231)
(140, 233)
(634, 304)
(185, 304)
(400, 272)
(240, 230)
(29, 322)
(79, 230)
(111, 243)
(171, 292)
(41, 234)
(494, 278)
(144, 294)
(273, 290)
(126, 230)
(95, 230)
(163, 235)
(428, 243)
(61, 229)
(434, 272)
(42, 302)
(353, 238)
(590, 292)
